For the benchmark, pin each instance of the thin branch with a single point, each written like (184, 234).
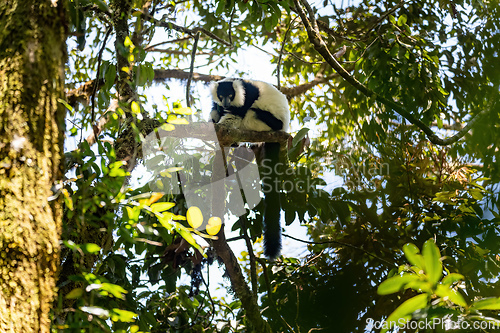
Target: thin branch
(238, 283)
(178, 52)
(191, 69)
(278, 67)
(305, 61)
(166, 74)
(253, 269)
(177, 40)
(343, 244)
(230, 36)
(322, 48)
(192, 32)
(99, 61)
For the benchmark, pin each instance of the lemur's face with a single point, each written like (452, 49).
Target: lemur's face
(226, 93)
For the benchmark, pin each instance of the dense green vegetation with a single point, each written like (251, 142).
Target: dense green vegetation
(401, 99)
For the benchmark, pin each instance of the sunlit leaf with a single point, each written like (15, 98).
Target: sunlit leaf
(433, 265)
(400, 315)
(194, 217)
(162, 206)
(90, 248)
(412, 254)
(395, 284)
(213, 225)
(123, 315)
(492, 303)
(448, 293)
(75, 293)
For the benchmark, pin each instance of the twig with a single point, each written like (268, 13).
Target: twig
(305, 61)
(177, 40)
(99, 61)
(192, 32)
(278, 68)
(343, 244)
(191, 69)
(229, 34)
(178, 52)
(248, 242)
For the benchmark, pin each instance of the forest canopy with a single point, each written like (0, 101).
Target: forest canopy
(388, 175)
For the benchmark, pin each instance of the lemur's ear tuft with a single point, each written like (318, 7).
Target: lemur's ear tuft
(239, 97)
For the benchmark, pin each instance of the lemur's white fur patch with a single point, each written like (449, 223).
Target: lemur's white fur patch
(272, 100)
(239, 98)
(251, 123)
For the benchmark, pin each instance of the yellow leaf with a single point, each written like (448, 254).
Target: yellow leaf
(155, 196)
(167, 127)
(214, 225)
(136, 109)
(161, 206)
(194, 217)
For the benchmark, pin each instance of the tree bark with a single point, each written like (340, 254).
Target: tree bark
(32, 55)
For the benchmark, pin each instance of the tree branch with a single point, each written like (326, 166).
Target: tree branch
(238, 283)
(320, 46)
(192, 32)
(81, 94)
(191, 69)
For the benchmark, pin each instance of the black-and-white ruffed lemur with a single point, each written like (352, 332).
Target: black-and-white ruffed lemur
(256, 106)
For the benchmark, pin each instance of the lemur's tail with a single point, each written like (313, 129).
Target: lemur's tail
(271, 188)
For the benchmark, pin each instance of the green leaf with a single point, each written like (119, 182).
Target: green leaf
(75, 293)
(299, 136)
(123, 315)
(412, 254)
(136, 109)
(109, 76)
(102, 5)
(433, 265)
(402, 312)
(492, 303)
(402, 20)
(420, 286)
(452, 278)
(450, 294)
(395, 284)
(188, 237)
(116, 170)
(220, 7)
(90, 248)
(114, 289)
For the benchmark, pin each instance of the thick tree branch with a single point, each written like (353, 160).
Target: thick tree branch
(248, 299)
(321, 47)
(82, 94)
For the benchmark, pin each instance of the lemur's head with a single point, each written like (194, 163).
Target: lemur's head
(228, 92)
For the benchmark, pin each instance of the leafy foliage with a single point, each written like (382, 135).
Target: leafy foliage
(128, 251)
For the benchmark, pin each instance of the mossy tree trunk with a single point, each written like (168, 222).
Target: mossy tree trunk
(32, 55)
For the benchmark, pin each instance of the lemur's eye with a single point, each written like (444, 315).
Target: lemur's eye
(231, 96)
(220, 97)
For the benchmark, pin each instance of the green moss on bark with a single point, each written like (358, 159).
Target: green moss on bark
(32, 54)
